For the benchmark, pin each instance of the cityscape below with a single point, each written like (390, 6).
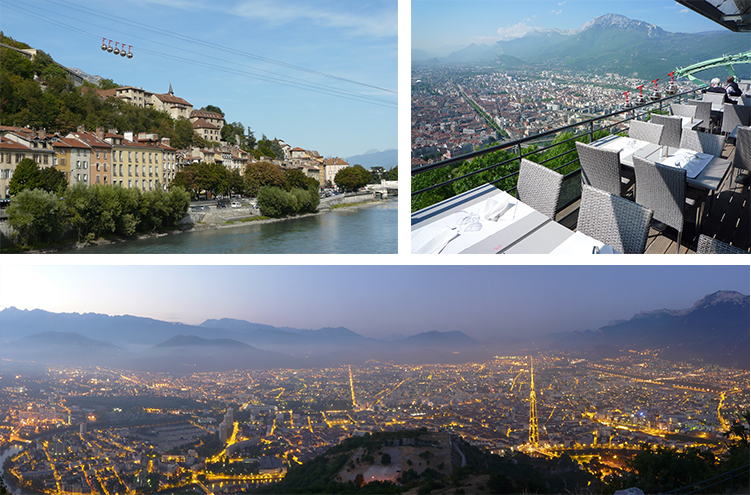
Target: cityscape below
(584, 417)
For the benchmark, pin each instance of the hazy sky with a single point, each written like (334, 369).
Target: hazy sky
(454, 23)
(481, 301)
(348, 40)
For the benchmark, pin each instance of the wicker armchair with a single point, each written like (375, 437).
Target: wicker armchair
(662, 189)
(539, 187)
(671, 134)
(613, 220)
(733, 116)
(703, 142)
(710, 245)
(683, 110)
(601, 168)
(743, 155)
(713, 98)
(644, 131)
(703, 112)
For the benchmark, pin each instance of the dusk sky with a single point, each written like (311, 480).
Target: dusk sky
(251, 58)
(442, 26)
(376, 301)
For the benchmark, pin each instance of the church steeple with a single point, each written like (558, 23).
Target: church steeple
(170, 89)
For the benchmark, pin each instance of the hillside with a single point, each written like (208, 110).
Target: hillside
(418, 461)
(610, 43)
(53, 103)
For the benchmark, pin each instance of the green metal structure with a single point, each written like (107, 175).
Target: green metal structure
(726, 61)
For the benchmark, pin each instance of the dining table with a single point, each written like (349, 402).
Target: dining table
(709, 177)
(487, 220)
(703, 171)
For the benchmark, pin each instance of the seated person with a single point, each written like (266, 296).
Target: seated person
(732, 88)
(716, 88)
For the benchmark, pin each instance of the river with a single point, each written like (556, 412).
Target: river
(350, 230)
(10, 452)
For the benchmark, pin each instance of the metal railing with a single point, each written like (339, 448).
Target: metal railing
(731, 480)
(590, 128)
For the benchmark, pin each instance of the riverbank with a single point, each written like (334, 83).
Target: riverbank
(215, 223)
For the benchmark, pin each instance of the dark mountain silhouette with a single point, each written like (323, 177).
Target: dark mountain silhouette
(192, 353)
(610, 43)
(715, 329)
(65, 348)
(123, 330)
(386, 159)
(193, 341)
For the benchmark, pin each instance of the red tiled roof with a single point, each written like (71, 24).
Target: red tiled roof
(70, 143)
(205, 114)
(202, 124)
(92, 140)
(168, 98)
(7, 144)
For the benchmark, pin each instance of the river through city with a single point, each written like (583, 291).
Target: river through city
(368, 229)
(10, 452)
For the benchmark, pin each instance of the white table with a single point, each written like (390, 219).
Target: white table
(709, 179)
(519, 230)
(691, 124)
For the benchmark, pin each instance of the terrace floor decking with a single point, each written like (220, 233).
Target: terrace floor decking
(728, 219)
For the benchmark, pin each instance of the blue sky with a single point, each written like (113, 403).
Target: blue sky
(349, 48)
(442, 26)
(482, 301)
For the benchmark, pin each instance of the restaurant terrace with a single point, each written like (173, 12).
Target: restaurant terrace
(667, 173)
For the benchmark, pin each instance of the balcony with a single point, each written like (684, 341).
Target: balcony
(727, 217)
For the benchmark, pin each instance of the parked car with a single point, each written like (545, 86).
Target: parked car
(235, 204)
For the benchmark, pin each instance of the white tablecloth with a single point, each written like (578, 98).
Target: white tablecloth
(458, 231)
(691, 161)
(627, 146)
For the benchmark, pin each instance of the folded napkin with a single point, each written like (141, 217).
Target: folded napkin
(691, 161)
(432, 241)
(495, 207)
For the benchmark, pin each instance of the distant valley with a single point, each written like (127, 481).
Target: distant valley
(139, 343)
(610, 43)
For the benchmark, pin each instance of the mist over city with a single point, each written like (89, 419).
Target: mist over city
(404, 378)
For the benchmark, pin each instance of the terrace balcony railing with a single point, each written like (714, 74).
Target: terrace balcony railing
(437, 181)
(733, 481)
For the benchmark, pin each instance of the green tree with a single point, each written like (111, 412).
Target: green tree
(295, 178)
(187, 179)
(352, 178)
(393, 173)
(53, 180)
(385, 459)
(275, 202)
(236, 182)
(37, 216)
(26, 176)
(213, 178)
(128, 201)
(259, 174)
(16, 64)
(82, 209)
(234, 133)
(105, 83)
(363, 174)
(213, 108)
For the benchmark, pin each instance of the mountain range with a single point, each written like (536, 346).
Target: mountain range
(374, 158)
(610, 43)
(715, 329)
